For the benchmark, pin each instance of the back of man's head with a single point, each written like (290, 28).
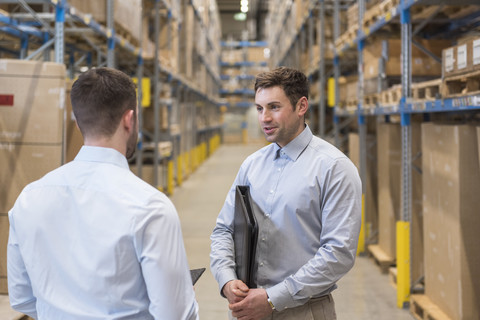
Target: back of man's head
(293, 82)
(99, 98)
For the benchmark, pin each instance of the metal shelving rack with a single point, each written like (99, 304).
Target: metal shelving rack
(405, 109)
(68, 20)
(244, 79)
(308, 33)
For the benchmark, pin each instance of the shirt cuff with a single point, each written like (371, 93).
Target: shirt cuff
(224, 277)
(281, 297)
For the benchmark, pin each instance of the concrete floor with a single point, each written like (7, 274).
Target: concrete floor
(364, 293)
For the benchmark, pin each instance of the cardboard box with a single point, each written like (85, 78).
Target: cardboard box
(168, 41)
(127, 15)
(389, 185)
(32, 99)
(256, 54)
(422, 64)
(463, 57)
(478, 143)
(389, 150)
(451, 179)
(457, 59)
(22, 164)
(371, 212)
(475, 54)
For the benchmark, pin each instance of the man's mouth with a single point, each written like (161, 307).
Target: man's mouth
(268, 130)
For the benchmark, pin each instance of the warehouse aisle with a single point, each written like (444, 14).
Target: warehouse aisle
(363, 294)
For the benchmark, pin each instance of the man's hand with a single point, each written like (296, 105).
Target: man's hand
(235, 291)
(254, 306)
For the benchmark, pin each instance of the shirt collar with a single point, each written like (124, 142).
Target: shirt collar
(101, 154)
(294, 148)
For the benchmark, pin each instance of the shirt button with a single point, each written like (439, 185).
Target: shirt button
(271, 191)
(279, 169)
(261, 263)
(263, 239)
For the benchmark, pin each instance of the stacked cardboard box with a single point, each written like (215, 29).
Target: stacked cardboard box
(371, 201)
(389, 193)
(461, 68)
(127, 15)
(463, 57)
(168, 41)
(451, 180)
(422, 64)
(31, 129)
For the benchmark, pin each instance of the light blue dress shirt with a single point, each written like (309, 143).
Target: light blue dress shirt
(90, 240)
(309, 195)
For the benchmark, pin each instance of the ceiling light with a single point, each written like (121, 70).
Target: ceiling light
(244, 9)
(240, 16)
(244, 3)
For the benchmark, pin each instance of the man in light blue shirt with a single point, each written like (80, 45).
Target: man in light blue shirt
(309, 196)
(90, 240)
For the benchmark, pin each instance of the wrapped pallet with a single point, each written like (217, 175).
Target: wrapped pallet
(32, 97)
(451, 179)
(389, 153)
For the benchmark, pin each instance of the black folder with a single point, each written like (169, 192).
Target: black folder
(245, 236)
(195, 274)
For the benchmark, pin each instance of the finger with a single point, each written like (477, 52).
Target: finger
(240, 293)
(242, 286)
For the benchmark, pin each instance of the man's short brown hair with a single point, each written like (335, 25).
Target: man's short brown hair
(293, 82)
(99, 99)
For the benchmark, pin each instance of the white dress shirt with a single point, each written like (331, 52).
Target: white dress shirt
(309, 194)
(90, 240)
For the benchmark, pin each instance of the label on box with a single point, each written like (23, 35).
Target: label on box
(449, 60)
(6, 100)
(462, 57)
(476, 52)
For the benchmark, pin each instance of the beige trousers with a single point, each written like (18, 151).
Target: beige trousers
(322, 308)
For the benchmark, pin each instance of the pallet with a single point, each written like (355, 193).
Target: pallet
(392, 276)
(346, 38)
(426, 90)
(370, 100)
(351, 103)
(461, 85)
(383, 260)
(391, 96)
(422, 308)
(371, 16)
(388, 5)
(450, 12)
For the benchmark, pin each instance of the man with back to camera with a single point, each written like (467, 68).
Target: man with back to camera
(90, 240)
(309, 195)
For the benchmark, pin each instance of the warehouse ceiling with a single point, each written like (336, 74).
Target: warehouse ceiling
(257, 11)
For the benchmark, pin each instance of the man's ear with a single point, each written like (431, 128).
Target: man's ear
(302, 105)
(128, 120)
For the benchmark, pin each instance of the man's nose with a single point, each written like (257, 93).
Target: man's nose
(265, 116)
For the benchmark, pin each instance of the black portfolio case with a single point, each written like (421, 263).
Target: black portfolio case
(245, 236)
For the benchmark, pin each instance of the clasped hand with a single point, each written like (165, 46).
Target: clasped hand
(246, 303)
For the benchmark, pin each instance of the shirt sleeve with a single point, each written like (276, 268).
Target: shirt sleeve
(161, 252)
(19, 287)
(341, 220)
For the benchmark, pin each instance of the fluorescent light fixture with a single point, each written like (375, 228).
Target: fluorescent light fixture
(240, 16)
